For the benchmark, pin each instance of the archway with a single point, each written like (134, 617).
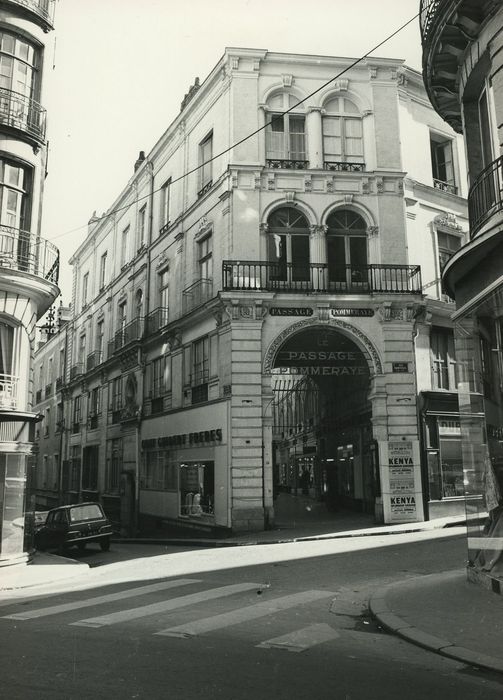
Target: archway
(323, 446)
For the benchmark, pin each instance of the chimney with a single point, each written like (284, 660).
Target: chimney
(139, 161)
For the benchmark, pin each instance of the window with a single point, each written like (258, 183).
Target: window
(18, 79)
(85, 285)
(443, 359)
(116, 394)
(59, 417)
(205, 258)
(103, 270)
(47, 422)
(486, 126)
(347, 250)
(76, 414)
(486, 366)
(15, 204)
(95, 401)
(206, 169)
(200, 370)
(75, 468)
(442, 163)
(159, 472)
(90, 462)
(288, 243)
(158, 377)
(140, 233)
(164, 213)
(62, 364)
(164, 289)
(447, 246)
(285, 133)
(100, 334)
(6, 351)
(114, 464)
(121, 316)
(125, 246)
(82, 349)
(197, 489)
(342, 135)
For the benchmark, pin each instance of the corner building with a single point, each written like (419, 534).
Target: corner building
(29, 264)
(249, 329)
(462, 66)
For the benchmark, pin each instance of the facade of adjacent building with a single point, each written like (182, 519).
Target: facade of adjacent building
(265, 313)
(463, 63)
(28, 263)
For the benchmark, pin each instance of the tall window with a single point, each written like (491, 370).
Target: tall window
(6, 350)
(447, 246)
(206, 169)
(103, 270)
(15, 184)
(288, 244)
(121, 316)
(485, 126)
(18, 78)
(165, 202)
(100, 332)
(200, 369)
(75, 462)
(347, 249)
(85, 285)
(116, 394)
(442, 163)
(95, 401)
(342, 134)
(164, 289)
(285, 133)
(82, 349)
(124, 246)
(140, 231)
(76, 414)
(443, 359)
(114, 463)
(205, 258)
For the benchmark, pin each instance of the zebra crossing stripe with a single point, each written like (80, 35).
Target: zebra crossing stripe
(252, 612)
(99, 600)
(165, 605)
(302, 639)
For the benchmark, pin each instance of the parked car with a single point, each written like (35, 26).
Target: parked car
(74, 525)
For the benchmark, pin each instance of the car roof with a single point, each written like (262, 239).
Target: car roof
(75, 505)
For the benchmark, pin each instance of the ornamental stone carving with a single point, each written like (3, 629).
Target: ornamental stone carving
(287, 80)
(373, 231)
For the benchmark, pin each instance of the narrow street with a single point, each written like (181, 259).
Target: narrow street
(289, 628)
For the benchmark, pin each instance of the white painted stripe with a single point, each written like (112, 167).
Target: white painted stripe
(302, 639)
(251, 612)
(99, 600)
(166, 605)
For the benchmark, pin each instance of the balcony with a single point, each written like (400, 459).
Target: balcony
(40, 11)
(23, 114)
(8, 391)
(321, 278)
(59, 383)
(286, 164)
(205, 188)
(130, 333)
(76, 371)
(343, 167)
(444, 186)
(92, 421)
(156, 320)
(48, 390)
(485, 197)
(93, 360)
(23, 251)
(196, 295)
(447, 28)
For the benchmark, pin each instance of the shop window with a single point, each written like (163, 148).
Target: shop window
(159, 471)
(442, 163)
(342, 135)
(206, 164)
(347, 250)
(444, 457)
(443, 359)
(197, 488)
(288, 243)
(285, 133)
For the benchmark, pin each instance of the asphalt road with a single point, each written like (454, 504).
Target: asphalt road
(295, 629)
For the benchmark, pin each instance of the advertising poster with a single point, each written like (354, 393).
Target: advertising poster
(401, 481)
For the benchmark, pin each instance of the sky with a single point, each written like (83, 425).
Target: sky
(117, 70)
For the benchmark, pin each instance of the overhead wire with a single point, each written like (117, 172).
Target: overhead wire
(107, 214)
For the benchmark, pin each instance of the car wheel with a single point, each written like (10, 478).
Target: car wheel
(105, 544)
(81, 546)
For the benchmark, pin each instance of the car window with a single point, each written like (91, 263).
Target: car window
(59, 516)
(86, 512)
(50, 519)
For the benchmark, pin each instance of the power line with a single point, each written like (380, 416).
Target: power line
(250, 135)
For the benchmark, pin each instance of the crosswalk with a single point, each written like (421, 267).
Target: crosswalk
(192, 605)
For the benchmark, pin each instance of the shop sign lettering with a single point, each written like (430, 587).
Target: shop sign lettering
(289, 311)
(184, 439)
(449, 427)
(352, 312)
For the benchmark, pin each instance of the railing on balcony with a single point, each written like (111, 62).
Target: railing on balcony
(131, 332)
(8, 391)
(444, 186)
(321, 278)
(156, 320)
(485, 197)
(205, 188)
(342, 166)
(427, 13)
(197, 294)
(21, 250)
(42, 8)
(21, 112)
(286, 164)
(59, 383)
(76, 370)
(93, 360)
(48, 390)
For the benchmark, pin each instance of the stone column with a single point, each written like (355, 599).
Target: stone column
(318, 256)
(314, 137)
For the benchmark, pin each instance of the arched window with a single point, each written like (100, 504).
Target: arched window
(285, 134)
(289, 244)
(342, 136)
(347, 249)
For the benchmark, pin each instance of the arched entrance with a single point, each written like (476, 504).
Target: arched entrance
(323, 446)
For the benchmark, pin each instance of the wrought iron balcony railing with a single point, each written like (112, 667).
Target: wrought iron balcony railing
(20, 250)
(286, 163)
(321, 278)
(131, 332)
(427, 14)
(444, 186)
(23, 113)
(342, 166)
(485, 197)
(196, 295)
(42, 9)
(93, 360)
(205, 188)
(8, 391)
(156, 320)
(76, 370)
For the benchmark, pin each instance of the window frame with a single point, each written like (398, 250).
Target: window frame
(444, 370)
(206, 163)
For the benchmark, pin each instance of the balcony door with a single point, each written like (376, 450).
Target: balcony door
(289, 246)
(347, 251)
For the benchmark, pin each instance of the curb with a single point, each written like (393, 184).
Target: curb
(396, 625)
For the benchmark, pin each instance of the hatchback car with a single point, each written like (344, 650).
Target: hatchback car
(74, 525)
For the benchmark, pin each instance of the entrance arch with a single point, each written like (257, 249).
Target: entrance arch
(321, 378)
